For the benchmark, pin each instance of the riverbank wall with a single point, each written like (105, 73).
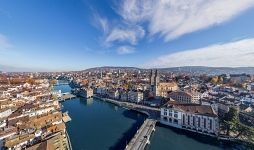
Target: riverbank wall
(142, 137)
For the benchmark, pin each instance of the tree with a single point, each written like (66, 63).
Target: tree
(245, 131)
(233, 124)
(231, 120)
(215, 79)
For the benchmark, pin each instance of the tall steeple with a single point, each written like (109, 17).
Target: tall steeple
(156, 78)
(152, 78)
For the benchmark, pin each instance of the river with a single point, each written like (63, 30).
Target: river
(98, 125)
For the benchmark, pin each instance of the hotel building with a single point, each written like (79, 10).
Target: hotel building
(196, 118)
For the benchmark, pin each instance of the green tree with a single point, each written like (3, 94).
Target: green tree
(231, 120)
(245, 131)
(232, 124)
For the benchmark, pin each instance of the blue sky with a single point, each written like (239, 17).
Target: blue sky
(58, 35)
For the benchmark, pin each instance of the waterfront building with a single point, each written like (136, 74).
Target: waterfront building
(114, 94)
(101, 90)
(185, 97)
(196, 118)
(86, 92)
(135, 96)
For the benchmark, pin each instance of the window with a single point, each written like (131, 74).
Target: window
(165, 119)
(204, 122)
(175, 121)
(194, 121)
(165, 113)
(211, 124)
(170, 112)
(199, 121)
(176, 115)
(188, 120)
(183, 119)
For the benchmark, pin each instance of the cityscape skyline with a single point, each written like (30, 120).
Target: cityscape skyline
(126, 74)
(40, 35)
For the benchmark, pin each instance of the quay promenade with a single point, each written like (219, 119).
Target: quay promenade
(141, 138)
(153, 113)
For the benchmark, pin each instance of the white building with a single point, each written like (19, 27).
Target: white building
(135, 96)
(5, 112)
(196, 118)
(114, 94)
(41, 111)
(124, 96)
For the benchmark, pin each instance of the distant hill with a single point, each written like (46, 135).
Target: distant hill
(111, 68)
(184, 69)
(211, 70)
(187, 69)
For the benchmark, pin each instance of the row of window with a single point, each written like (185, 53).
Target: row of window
(170, 120)
(196, 121)
(175, 114)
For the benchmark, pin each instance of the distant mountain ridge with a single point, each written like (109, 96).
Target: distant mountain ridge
(211, 70)
(184, 69)
(111, 68)
(188, 69)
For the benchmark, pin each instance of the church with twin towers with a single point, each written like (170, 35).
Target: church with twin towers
(160, 89)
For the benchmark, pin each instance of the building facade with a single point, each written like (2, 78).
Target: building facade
(86, 93)
(185, 97)
(135, 96)
(196, 118)
(162, 89)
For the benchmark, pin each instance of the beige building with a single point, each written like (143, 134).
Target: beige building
(163, 88)
(186, 97)
(192, 117)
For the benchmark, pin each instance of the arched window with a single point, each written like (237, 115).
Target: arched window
(165, 119)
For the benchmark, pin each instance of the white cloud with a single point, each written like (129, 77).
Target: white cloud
(128, 34)
(101, 23)
(4, 42)
(234, 54)
(174, 18)
(125, 50)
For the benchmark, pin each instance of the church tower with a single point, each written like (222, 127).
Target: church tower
(154, 82)
(152, 78)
